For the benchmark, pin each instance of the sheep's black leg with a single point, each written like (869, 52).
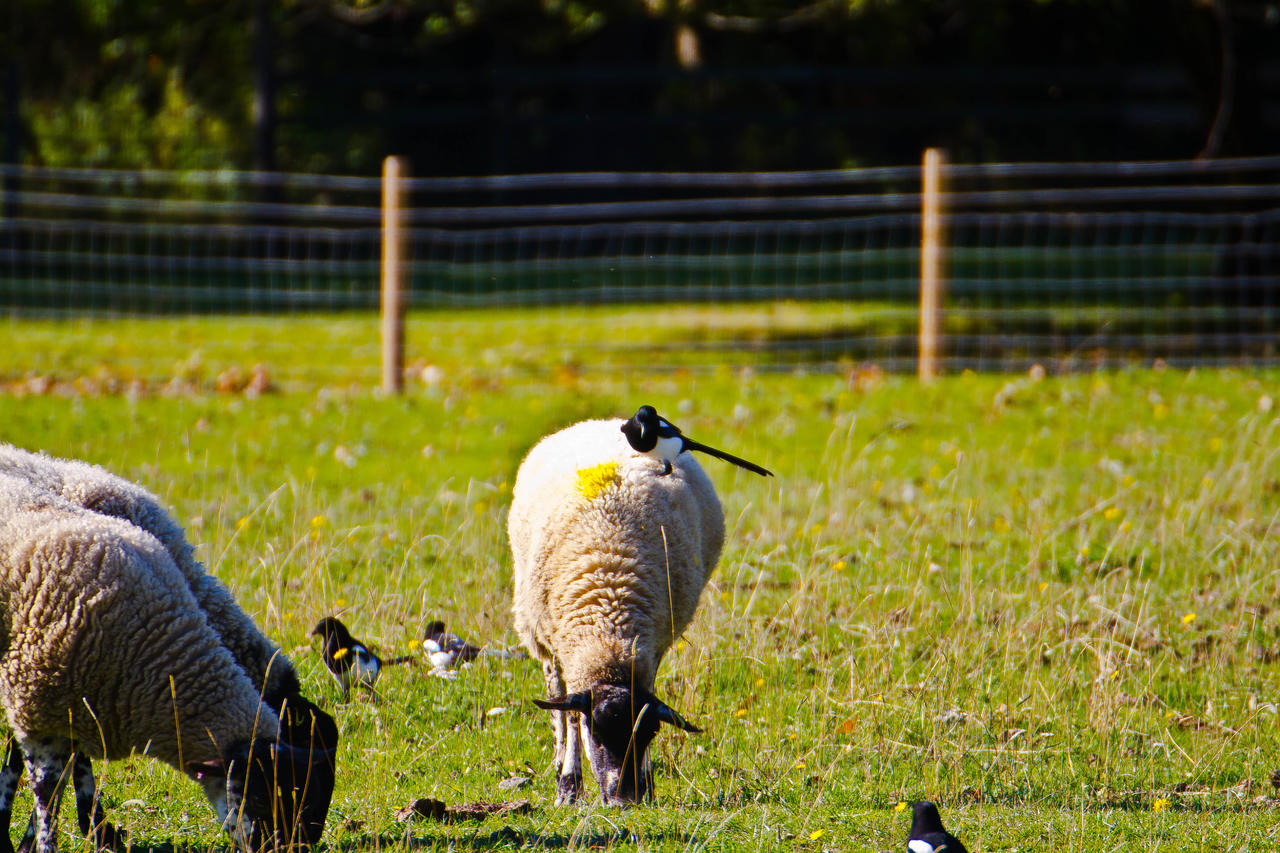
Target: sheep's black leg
(10, 774)
(47, 760)
(93, 821)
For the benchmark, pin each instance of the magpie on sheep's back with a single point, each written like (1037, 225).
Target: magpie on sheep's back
(649, 433)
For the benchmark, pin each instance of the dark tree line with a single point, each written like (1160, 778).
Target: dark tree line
(481, 86)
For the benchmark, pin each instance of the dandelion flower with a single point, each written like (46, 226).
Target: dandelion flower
(816, 834)
(318, 521)
(1160, 805)
(242, 523)
(901, 806)
(1111, 513)
(1188, 618)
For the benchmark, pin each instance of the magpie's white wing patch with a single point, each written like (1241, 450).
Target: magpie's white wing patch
(365, 665)
(919, 845)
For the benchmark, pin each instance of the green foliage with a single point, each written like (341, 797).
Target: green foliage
(462, 86)
(116, 129)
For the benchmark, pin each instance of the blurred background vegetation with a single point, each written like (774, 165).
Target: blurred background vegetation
(506, 86)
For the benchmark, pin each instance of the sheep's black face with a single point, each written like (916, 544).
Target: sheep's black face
(621, 723)
(313, 734)
(271, 796)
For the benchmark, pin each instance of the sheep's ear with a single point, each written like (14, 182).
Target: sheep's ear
(573, 702)
(667, 714)
(201, 770)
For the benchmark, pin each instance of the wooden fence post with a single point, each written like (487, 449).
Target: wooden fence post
(393, 267)
(932, 259)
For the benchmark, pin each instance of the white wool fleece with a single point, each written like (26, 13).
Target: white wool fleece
(105, 642)
(94, 488)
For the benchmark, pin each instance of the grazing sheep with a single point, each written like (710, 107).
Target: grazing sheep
(610, 560)
(98, 490)
(108, 652)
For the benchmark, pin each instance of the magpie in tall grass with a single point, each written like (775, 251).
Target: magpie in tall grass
(927, 834)
(648, 433)
(445, 649)
(351, 661)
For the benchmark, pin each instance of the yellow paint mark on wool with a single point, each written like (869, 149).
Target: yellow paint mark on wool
(594, 481)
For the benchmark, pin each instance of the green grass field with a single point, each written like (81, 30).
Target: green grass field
(1048, 605)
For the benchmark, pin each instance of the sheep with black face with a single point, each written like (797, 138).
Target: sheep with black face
(108, 653)
(610, 560)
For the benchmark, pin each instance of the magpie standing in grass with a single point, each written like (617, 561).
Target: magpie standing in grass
(648, 433)
(350, 661)
(445, 649)
(927, 834)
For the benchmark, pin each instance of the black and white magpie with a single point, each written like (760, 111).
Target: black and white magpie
(351, 661)
(445, 649)
(927, 834)
(648, 433)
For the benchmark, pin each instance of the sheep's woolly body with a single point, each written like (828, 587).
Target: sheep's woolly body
(104, 641)
(610, 555)
(96, 489)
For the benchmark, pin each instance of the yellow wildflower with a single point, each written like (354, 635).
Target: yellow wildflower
(901, 806)
(1188, 618)
(1160, 805)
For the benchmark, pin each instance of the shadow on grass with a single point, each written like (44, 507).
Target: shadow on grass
(495, 839)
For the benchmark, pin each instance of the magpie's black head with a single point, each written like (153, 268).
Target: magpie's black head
(334, 635)
(927, 832)
(622, 723)
(642, 429)
(433, 630)
(331, 627)
(925, 818)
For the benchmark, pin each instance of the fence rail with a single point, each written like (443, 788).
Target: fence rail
(1071, 264)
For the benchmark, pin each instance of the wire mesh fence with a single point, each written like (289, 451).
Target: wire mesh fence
(1069, 265)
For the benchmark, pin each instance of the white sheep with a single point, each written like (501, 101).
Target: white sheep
(610, 560)
(108, 652)
(96, 489)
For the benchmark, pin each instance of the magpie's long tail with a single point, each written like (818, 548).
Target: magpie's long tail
(397, 661)
(690, 444)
